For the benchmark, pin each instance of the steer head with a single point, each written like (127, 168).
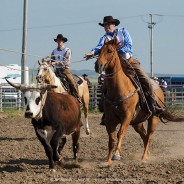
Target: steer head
(34, 96)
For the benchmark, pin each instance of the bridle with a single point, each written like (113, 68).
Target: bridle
(110, 75)
(50, 77)
(121, 99)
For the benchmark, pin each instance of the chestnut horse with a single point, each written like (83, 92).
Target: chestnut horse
(46, 74)
(121, 102)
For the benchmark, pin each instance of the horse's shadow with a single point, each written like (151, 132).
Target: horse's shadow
(13, 139)
(15, 165)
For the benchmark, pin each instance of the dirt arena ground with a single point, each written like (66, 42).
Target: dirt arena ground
(22, 158)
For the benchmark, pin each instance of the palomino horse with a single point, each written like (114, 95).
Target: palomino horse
(48, 76)
(121, 102)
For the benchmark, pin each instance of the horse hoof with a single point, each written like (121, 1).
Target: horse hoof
(87, 131)
(144, 159)
(116, 157)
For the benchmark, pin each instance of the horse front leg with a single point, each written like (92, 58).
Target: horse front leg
(124, 125)
(112, 136)
(152, 124)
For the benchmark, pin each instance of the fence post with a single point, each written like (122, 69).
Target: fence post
(95, 97)
(19, 99)
(1, 101)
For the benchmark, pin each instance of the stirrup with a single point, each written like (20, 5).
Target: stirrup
(158, 111)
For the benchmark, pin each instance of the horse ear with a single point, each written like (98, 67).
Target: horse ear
(116, 41)
(39, 62)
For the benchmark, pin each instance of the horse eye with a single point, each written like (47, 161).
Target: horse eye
(25, 100)
(109, 51)
(38, 100)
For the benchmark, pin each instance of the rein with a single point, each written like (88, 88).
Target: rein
(115, 103)
(114, 73)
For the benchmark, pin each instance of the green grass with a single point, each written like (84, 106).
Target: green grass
(13, 113)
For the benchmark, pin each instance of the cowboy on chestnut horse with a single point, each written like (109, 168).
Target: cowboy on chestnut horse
(125, 52)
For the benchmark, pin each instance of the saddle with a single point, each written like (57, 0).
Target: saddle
(143, 102)
(66, 83)
(143, 94)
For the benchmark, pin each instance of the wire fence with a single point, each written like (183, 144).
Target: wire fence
(13, 98)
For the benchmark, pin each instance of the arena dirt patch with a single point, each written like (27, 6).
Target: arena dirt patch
(22, 158)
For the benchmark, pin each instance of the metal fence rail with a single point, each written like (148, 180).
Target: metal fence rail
(10, 98)
(14, 99)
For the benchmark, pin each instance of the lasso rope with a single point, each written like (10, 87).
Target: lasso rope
(32, 55)
(37, 56)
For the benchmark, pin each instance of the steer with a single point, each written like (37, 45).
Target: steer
(54, 115)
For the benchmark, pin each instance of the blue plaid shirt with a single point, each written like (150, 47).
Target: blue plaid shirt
(123, 38)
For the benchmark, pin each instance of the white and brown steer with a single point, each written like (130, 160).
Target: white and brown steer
(53, 115)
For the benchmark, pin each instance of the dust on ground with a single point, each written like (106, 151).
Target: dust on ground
(23, 160)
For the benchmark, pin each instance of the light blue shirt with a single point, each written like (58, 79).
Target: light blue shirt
(124, 40)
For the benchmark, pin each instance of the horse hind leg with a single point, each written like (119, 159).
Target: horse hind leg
(85, 102)
(139, 128)
(152, 124)
(112, 137)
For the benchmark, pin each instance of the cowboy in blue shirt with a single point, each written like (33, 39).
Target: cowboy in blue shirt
(125, 54)
(123, 36)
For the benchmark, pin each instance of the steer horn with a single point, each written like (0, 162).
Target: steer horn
(17, 86)
(46, 86)
(38, 86)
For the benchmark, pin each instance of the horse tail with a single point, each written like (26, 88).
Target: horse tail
(169, 116)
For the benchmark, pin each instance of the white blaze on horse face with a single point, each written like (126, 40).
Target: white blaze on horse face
(33, 103)
(42, 71)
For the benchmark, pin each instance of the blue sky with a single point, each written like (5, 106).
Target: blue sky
(78, 21)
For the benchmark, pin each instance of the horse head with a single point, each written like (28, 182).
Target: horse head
(44, 68)
(107, 53)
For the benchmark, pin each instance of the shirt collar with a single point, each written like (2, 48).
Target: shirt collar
(60, 49)
(110, 34)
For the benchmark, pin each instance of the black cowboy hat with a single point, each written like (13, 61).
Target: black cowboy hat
(84, 75)
(60, 36)
(109, 19)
